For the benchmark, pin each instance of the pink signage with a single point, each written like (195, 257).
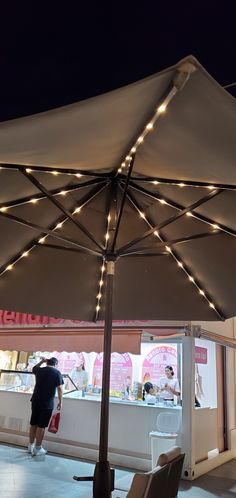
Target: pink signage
(67, 361)
(121, 371)
(200, 355)
(155, 362)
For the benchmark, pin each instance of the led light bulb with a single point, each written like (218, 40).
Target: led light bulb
(42, 240)
(101, 283)
(189, 213)
(9, 267)
(103, 268)
(99, 296)
(156, 233)
(155, 182)
(168, 248)
(140, 140)
(63, 192)
(133, 149)
(78, 175)
(25, 254)
(34, 201)
(181, 184)
(59, 225)
(149, 126)
(55, 173)
(77, 210)
(3, 209)
(142, 215)
(212, 305)
(107, 236)
(215, 226)
(180, 264)
(28, 170)
(191, 278)
(97, 307)
(201, 292)
(162, 201)
(162, 108)
(120, 170)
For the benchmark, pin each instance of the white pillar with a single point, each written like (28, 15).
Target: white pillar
(188, 405)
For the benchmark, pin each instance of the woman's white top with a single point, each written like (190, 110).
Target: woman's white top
(80, 378)
(174, 383)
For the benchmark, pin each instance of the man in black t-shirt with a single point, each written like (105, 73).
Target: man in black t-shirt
(48, 381)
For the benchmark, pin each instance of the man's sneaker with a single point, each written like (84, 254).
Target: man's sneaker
(31, 448)
(39, 451)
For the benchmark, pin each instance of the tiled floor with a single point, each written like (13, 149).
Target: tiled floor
(22, 476)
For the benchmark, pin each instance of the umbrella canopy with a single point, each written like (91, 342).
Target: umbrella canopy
(144, 176)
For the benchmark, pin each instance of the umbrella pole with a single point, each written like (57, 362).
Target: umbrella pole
(103, 481)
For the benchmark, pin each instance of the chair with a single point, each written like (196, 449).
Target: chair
(174, 459)
(163, 481)
(153, 484)
(165, 436)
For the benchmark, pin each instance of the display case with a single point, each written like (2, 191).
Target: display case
(24, 382)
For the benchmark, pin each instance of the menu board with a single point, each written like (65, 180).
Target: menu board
(121, 371)
(156, 360)
(67, 361)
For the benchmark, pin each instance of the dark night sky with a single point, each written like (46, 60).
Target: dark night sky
(52, 57)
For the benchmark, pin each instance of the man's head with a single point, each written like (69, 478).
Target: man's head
(148, 386)
(52, 362)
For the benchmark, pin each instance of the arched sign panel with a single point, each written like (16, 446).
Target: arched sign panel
(67, 361)
(156, 360)
(121, 371)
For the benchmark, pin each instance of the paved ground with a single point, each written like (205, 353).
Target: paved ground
(22, 476)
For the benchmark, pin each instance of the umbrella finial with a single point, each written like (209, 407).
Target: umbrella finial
(183, 73)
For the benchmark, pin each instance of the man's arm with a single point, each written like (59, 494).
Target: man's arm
(43, 360)
(59, 393)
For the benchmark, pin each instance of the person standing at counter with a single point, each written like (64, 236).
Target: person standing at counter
(80, 376)
(169, 385)
(48, 380)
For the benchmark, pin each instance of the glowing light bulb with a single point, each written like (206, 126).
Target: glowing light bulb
(189, 213)
(120, 170)
(59, 225)
(28, 170)
(34, 201)
(215, 226)
(97, 307)
(156, 233)
(63, 192)
(103, 268)
(42, 240)
(180, 264)
(99, 296)
(191, 278)
(162, 108)
(155, 182)
(9, 267)
(210, 187)
(162, 201)
(201, 292)
(77, 210)
(133, 149)
(25, 254)
(55, 173)
(181, 184)
(123, 165)
(142, 215)
(107, 236)
(78, 175)
(101, 283)
(140, 140)
(3, 209)
(168, 248)
(212, 305)
(109, 218)
(149, 126)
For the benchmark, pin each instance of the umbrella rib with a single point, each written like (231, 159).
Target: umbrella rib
(172, 219)
(122, 203)
(182, 266)
(183, 183)
(53, 171)
(56, 203)
(175, 241)
(180, 207)
(47, 231)
(39, 197)
(30, 246)
(82, 250)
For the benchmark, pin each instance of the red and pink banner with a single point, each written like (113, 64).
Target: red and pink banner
(200, 355)
(121, 371)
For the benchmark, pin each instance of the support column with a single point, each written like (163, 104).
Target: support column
(188, 404)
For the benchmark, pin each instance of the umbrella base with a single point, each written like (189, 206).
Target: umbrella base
(103, 480)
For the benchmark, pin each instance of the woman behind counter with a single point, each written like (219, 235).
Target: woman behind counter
(169, 385)
(79, 376)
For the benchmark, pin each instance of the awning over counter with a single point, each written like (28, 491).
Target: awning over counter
(26, 339)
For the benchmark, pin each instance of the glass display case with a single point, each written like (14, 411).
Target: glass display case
(24, 381)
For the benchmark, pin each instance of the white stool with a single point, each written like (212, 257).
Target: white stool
(165, 436)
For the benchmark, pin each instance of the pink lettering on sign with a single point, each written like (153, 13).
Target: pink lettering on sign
(121, 371)
(155, 362)
(200, 355)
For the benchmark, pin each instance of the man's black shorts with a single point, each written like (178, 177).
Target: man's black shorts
(40, 416)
